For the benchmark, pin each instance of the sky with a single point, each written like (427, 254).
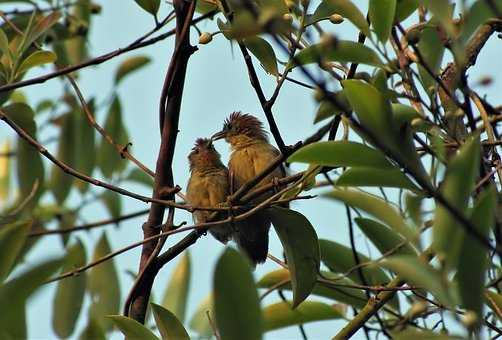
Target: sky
(217, 84)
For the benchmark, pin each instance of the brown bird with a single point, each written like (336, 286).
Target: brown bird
(251, 154)
(208, 185)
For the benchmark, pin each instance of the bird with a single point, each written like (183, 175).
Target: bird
(251, 153)
(208, 185)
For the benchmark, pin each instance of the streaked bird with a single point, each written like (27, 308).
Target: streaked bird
(208, 185)
(251, 154)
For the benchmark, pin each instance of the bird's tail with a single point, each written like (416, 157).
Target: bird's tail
(252, 237)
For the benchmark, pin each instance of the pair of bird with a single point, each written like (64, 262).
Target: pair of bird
(211, 182)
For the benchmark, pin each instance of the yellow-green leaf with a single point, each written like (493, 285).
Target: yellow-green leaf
(237, 308)
(280, 315)
(343, 7)
(131, 328)
(176, 295)
(130, 65)
(169, 326)
(35, 59)
(151, 6)
(381, 13)
(12, 239)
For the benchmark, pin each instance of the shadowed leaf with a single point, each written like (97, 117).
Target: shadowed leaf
(176, 295)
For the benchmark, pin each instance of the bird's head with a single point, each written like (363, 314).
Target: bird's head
(204, 155)
(241, 127)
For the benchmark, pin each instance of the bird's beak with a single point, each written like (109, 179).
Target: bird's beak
(218, 135)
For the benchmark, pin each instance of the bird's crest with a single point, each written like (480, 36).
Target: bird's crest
(244, 123)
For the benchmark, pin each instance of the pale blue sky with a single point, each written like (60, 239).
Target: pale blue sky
(217, 84)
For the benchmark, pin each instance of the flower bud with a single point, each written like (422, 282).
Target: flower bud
(336, 19)
(205, 38)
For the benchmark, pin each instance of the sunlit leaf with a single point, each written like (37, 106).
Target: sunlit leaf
(169, 326)
(131, 328)
(176, 295)
(35, 59)
(199, 321)
(130, 65)
(237, 308)
(340, 154)
(5, 171)
(381, 13)
(280, 315)
(92, 331)
(69, 293)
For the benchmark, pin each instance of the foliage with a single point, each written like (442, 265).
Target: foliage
(420, 150)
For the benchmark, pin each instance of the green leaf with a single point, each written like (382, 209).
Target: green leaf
(340, 154)
(169, 326)
(372, 108)
(15, 293)
(477, 15)
(131, 328)
(35, 59)
(262, 50)
(458, 184)
(340, 259)
(404, 8)
(12, 239)
(69, 293)
(41, 27)
(471, 274)
(343, 7)
(176, 295)
(130, 65)
(376, 207)
(29, 162)
(113, 203)
(372, 177)
(381, 13)
(103, 283)
(350, 296)
(442, 11)
(61, 182)
(151, 6)
(411, 333)
(139, 176)
(93, 330)
(343, 51)
(385, 239)
(300, 243)
(432, 49)
(237, 308)
(326, 109)
(280, 315)
(109, 159)
(199, 321)
(421, 274)
(86, 151)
